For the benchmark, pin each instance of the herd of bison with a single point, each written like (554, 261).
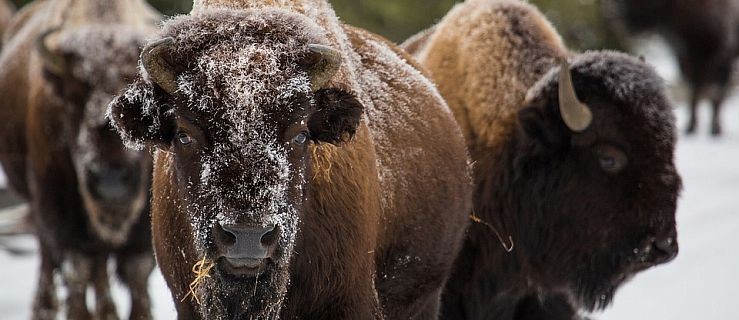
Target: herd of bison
(280, 164)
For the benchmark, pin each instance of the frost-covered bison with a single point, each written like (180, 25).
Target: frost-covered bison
(705, 37)
(89, 199)
(573, 164)
(303, 168)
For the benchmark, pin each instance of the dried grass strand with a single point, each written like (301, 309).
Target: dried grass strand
(201, 269)
(508, 248)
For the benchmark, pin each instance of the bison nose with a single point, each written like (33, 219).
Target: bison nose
(665, 249)
(659, 250)
(247, 243)
(112, 183)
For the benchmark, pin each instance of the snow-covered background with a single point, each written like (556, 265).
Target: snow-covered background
(702, 283)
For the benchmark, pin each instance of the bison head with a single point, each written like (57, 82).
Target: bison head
(85, 70)
(595, 169)
(234, 99)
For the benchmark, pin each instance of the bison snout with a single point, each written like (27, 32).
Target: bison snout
(241, 244)
(112, 184)
(658, 250)
(665, 250)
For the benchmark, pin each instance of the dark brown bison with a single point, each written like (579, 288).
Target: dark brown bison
(575, 186)
(88, 193)
(303, 167)
(704, 34)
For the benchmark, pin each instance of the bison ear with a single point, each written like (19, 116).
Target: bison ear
(538, 127)
(140, 118)
(337, 116)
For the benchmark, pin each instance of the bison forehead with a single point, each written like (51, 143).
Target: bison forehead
(104, 56)
(245, 82)
(245, 94)
(243, 73)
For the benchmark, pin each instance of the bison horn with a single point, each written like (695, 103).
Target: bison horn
(160, 71)
(53, 61)
(327, 65)
(576, 115)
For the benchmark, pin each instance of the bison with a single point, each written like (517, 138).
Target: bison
(89, 195)
(704, 34)
(304, 169)
(575, 184)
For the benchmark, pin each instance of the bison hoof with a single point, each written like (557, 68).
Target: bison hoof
(716, 131)
(690, 129)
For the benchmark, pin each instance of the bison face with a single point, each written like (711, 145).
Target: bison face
(237, 115)
(597, 178)
(112, 180)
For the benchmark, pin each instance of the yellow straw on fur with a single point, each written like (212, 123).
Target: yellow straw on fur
(201, 269)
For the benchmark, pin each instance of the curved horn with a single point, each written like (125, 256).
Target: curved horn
(576, 115)
(160, 71)
(326, 67)
(54, 61)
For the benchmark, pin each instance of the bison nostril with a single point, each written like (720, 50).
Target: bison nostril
(224, 237)
(664, 250)
(667, 245)
(664, 244)
(269, 238)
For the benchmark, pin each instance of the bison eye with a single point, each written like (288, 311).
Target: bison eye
(183, 138)
(611, 159)
(301, 138)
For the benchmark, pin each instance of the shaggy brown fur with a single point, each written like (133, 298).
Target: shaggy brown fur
(369, 225)
(88, 194)
(585, 210)
(704, 34)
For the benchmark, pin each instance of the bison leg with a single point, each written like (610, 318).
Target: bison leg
(134, 270)
(77, 272)
(104, 306)
(45, 303)
(694, 100)
(718, 100)
(419, 295)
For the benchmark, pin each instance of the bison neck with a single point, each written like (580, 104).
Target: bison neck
(493, 257)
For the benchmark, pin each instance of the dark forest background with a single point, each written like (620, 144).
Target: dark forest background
(580, 22)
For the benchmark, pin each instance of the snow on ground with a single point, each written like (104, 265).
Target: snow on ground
(700, 284)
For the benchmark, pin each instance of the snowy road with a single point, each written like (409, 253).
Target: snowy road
(702, 283)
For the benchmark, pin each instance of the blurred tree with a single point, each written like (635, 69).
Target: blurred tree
(394, 19)
(580, 22)
(172, 7)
